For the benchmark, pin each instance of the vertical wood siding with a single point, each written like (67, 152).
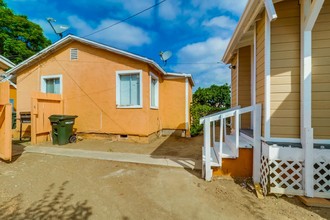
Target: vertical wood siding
(285, 70)
(260, 67)
(234, 87)
(244, 83)
(321, 74)
(234, 83)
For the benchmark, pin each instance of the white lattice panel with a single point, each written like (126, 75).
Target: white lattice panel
(285, 174)
(264, 175)
(322, 176)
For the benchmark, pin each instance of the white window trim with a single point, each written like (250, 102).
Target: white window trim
(153, 76)
(128, 72)
(43, 82)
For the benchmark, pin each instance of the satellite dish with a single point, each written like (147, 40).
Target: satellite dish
(164, 56)
(58, 29)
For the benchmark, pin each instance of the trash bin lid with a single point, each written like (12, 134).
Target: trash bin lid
(54, 118)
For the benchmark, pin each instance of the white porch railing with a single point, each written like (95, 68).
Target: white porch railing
(212, 156)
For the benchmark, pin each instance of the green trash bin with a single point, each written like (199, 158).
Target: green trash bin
(62, 128)
(13, 118)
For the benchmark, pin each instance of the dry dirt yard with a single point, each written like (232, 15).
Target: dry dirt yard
(37, 186)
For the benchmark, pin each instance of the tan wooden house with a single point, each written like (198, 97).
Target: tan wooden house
(113, 92)
(279, 56)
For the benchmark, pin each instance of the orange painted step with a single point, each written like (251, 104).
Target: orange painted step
(240, 167)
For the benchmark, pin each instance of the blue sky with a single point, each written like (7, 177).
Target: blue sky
(195, 31)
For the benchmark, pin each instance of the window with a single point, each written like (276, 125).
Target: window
(129, 89)
(51, 84)
(74, 54)
(154, 82)
(12, 102)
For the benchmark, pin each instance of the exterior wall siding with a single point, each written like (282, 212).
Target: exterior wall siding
(321, 74)
(285, 71)
(260, 67)
(244, 84)
(234, 83)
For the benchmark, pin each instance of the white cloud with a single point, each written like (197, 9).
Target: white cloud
(169, 10)
(209, 50)
(203, 62)
(235, 7)
(122, 35)
(224, 22)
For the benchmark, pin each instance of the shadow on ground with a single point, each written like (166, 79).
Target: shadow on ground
(17, 150)
(183, 148)
(177, 146)
(54, 204)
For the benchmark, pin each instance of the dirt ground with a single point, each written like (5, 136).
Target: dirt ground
(36, 186)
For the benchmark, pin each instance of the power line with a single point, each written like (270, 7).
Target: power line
(121, 21)
(188, 63)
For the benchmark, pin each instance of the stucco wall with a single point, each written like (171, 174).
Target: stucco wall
(89, 91)
(172, 108)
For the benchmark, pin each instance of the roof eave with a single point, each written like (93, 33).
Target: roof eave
(82, 40)
(250, 13)
(7, 61)
(182, 75)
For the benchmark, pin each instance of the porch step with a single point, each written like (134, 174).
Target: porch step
(226, 150)
(226, 154)
(238, 167)
(243, 141)
(214, 158)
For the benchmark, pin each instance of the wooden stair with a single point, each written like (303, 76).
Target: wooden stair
(231, 165)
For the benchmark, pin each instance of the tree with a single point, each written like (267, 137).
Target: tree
(207, 101)
(19, 37)
(214, 96)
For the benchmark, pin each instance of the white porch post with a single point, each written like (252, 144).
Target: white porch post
(256, 143)
(308, 15)
(237, 127)
(221, 140)
(267, 78)
(207, 148)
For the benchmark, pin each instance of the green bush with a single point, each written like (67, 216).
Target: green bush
(207, 101)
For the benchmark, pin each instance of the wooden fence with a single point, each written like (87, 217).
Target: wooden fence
(43, 106)
(5, 122)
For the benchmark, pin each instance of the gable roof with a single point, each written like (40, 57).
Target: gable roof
(243, 33)
(251, 11)
(70, 38)
(6, 61)
(9, 64)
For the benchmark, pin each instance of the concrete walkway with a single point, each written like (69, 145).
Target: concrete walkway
(186, 163)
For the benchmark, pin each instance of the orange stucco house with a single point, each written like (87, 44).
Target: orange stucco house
(6, 64)
(112, 92)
